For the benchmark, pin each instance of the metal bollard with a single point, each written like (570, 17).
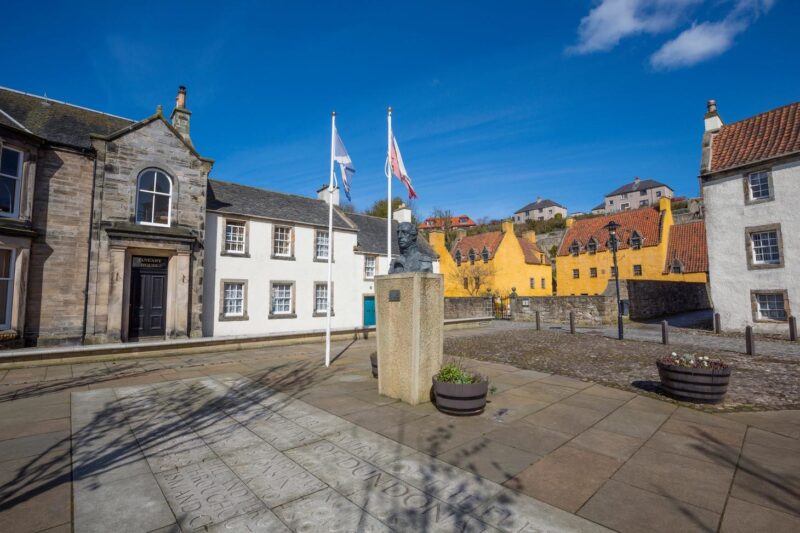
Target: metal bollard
(717, 324)
(538, 321)
(749, 343)
(664, 332)
(572, 322)
(792, 328)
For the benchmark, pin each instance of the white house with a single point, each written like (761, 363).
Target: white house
(636, 194)
(750, 180)
(266, 263)
(541, 209)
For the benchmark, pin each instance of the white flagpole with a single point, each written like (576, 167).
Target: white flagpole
(389, 194)
(330, 243)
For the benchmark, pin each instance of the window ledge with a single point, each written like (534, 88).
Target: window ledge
(287, 315)
(234, 254)
(764, 266)
(319, 260)
(282, 257)
(318, 314)
(225, 318)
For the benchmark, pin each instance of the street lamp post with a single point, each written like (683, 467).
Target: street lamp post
(612, 241)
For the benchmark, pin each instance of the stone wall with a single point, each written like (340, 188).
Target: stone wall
(467, 307)
(651, 299)
(589, 310)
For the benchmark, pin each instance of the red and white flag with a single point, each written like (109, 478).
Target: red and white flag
(399, 169)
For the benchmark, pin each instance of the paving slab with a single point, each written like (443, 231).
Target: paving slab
(325, 511)
(489, 459)
(744, 517)
(262, 521)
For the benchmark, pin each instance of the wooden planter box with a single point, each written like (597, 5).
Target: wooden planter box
(460, 399)
(701, 385)
(373, 360)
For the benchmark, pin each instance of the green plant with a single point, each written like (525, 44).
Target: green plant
(455, 373)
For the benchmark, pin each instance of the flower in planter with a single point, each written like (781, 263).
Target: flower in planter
(454, 372)
(692, 361)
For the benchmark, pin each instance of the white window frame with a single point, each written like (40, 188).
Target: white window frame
(10, 296)
(18, 178)
(238, 297)
(773, 248)
(324, 287)
(774, 295)
(373, 260)
(154, 193)
(289, 235)
(574, 249)
(764, 184)
(274, 295)
(317, 235)
(227, 242)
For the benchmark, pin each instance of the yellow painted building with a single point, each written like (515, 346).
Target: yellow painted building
(651, 247)
(495, 262)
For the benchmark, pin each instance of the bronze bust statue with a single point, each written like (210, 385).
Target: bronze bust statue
(410, 258)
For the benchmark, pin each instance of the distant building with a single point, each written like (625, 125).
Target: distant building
(541, 209)
(599, 209)
(636, 194)
(461, 221)
(750, 181)
(651, 247)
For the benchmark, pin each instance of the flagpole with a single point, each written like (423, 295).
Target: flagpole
(389, 193)
(330, 244)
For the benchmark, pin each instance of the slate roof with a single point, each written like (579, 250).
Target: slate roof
(237, 199)
(643, 185)
(491, 240)
(770, 134)
(687, 243)
(599, 206)
(645, 221)
(57, 122)
(372, 236)
(541, 204)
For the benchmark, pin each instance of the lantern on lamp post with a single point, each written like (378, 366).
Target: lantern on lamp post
(613, 242)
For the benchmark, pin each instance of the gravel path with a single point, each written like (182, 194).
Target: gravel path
(757, 383)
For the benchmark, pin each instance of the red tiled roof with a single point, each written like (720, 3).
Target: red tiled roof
(645, 221)
(687, 243)
(489, 239)
(770, 134)
(455, 222)
(532, 252)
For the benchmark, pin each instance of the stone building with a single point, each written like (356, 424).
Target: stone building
(636, 194)
(541, 209)
(101, 223)
(750, 181)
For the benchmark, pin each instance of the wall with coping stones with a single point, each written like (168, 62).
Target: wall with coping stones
(589, 310)
(467, 307)
(650, 299)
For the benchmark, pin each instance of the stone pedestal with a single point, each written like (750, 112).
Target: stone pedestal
(410, 323)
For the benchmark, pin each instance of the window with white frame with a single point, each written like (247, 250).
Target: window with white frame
(369, 266)
(321, 244)
(235, 236)
(321, 298)
(281, 298)
(233, 298)
(154, 199)
(575, 248)
(635, 241)
(658, 194)
(6, 286)
(282, 241)
(643, 203)
(766, 250)
(10, 180)
(591, 246)
(759, 185)
(771, 306)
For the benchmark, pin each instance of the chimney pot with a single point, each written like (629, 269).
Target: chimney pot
(712, 120)
(181, 116)
(712, 106)
(180, 100)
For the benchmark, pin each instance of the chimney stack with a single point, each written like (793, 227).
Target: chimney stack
(322, 194)
(712, 121)
(402, 214)
(180, 115)
(636, 181)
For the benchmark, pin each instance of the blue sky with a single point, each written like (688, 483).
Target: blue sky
(495, 103)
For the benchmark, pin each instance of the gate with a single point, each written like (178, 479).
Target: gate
(502, 308)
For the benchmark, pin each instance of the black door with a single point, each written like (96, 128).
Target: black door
(148, 297)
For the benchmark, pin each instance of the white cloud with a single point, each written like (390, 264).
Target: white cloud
(708, 39)
(613, 20)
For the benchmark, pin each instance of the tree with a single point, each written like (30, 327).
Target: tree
(347, 207)
(378, 209)
(475, 278)
(446, 218)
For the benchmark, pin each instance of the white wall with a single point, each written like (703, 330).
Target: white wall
(259, 269)
(635, 197)
(727, 216)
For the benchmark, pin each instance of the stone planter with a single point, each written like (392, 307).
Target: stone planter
(460, 399)
(373, 360)
(700, 385)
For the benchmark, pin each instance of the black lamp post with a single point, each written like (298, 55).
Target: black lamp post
(612, 241)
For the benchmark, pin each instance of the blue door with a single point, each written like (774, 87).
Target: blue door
(369, 311)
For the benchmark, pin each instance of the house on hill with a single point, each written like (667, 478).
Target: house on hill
(636, 194)
(750, 181)
(650, 247)
(460, 221)
(541, 209)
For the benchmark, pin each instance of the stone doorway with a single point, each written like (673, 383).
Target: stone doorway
(148, 297)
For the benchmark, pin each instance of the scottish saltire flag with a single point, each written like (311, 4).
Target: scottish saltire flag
(399, 169)
(346, 167)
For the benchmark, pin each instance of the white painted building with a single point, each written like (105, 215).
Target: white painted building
(541, 209)
(266, 263)
(634, 195)
(750, 179)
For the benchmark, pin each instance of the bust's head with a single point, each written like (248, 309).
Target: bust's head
(406, 236)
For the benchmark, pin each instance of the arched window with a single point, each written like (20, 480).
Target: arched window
(575, 248)
(485, 255)
(458, 257)
(154, 198)
(591, 246)
(471, 256)
(636, 241)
